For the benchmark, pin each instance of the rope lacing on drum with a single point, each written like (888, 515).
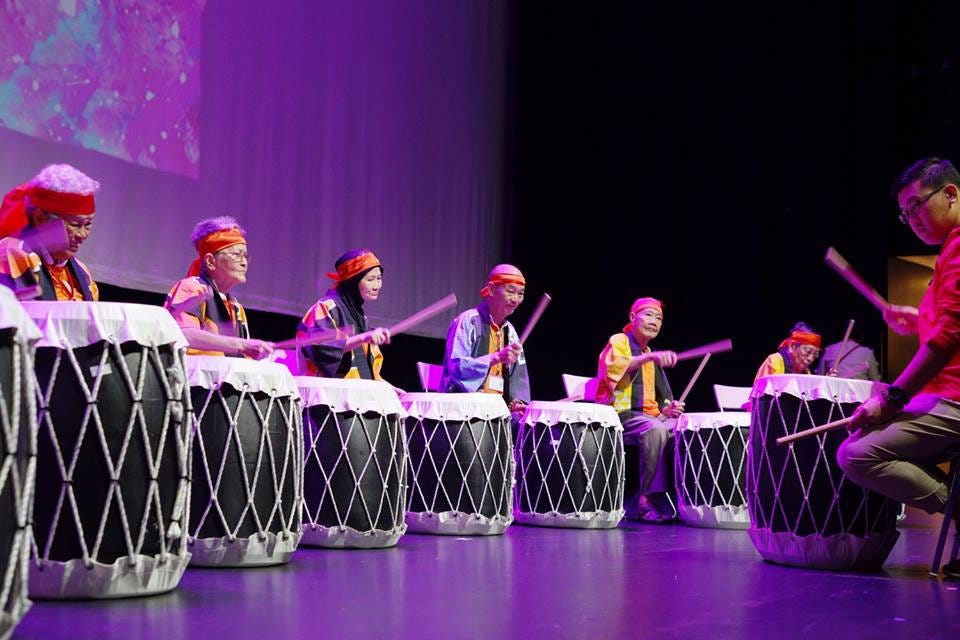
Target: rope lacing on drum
(500, 498)
(704, 462)
(12, 591)
(287, 516)
(386, 427)
(805, 479)
(532, 439)
(136, 424)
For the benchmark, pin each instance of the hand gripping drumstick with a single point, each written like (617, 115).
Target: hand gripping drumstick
(338, 334)
(843, 347)
(541, 306)
(424, 314)
(800, 435)
(715, 347)
(841, 266)
(693, 380)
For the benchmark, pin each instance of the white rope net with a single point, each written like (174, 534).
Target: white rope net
(570, 475)
(710, 470)
(113, 480)
(803, 510)
(245, 507)
(461, 475)
(18, 460)
(355, 478)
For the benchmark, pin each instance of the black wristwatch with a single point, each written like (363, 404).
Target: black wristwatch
(896, 396)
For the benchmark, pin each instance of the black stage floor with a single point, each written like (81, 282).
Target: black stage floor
(638, 581)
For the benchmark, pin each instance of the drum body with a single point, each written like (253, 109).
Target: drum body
(570, 463)
(803, 510)
(247, 461)
(112, 453)
(355, 463)
(461, 463)
(18, 457)
(710, 469)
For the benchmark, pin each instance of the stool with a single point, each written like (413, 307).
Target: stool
(954, 480)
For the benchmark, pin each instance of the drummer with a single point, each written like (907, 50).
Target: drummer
(58, 195)
(631, 378)
(483, 352)
(358, 279)
(900, 434)
(212, 319)
(799, 352)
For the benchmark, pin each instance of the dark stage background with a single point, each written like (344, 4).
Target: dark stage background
(707, 155)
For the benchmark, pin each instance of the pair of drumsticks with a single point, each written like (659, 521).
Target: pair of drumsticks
(416, 319)
(848, 273)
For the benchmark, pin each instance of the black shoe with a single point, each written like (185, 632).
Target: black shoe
(952, 570)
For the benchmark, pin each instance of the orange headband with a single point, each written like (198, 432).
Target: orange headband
(802, 337)
(502, 278)
(13, 210)
(216, 241)
(354, 266)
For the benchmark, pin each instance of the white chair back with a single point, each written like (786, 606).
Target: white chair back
(731, 397)
(430, 375)
(580, 387)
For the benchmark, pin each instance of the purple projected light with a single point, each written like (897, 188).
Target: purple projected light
(123, 80)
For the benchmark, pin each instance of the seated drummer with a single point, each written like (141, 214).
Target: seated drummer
(631, 378)
(358, 279)
(900, 435)
(59, 194)
(857, 362)
(213, 321)
(483, 352)
(795, 355)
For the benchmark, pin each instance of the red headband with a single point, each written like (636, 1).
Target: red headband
(13, 210)
(802, 337)
(354, 266)
(502, 278)
(216, 241)
(639, 305)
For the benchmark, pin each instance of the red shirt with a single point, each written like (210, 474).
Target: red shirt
(940, 317)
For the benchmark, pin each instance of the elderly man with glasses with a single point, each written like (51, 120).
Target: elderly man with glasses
(38, 264)
(796, 354)
(899, 435)
(211, 318)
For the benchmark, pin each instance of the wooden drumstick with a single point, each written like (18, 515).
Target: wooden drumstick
(716, 347)
(541, 306)
(800, 435)
(843, 347)
(315, 339)
(424, 314)
(841, 266)
(693, 380)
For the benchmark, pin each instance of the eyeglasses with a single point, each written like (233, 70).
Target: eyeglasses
(808, 351)
(909, 214)
(239, 256)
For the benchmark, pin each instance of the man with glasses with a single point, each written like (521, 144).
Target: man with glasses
(899, 435)
(483, 352)
(796, 354)
(211, 318)
(37, 260)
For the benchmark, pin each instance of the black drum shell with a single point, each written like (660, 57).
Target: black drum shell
(329, 486)
(91, 478)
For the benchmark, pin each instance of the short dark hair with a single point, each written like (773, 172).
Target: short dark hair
(932, 172)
